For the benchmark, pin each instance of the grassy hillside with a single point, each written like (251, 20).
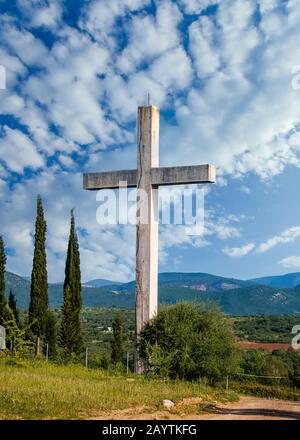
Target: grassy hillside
(41, 391)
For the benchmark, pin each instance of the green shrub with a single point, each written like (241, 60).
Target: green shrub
(254, 362)
(189, 341)
(105, 361)
(274, 391)
(101, 361)
(20, 346)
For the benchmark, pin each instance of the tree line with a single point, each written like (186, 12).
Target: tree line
(41, 328)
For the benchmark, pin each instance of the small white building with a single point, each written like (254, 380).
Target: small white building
(2, 338)
(105, 329)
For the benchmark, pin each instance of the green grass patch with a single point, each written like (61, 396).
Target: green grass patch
(267, 391)
(37, 390)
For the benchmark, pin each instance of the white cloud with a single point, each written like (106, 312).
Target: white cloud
(104, 249)
(71, 91)
(149, 37)
(249, 90)
(41, 13)
(239, 251)
(14, 69)
(202, 46)
(229, 84)
(29, 49)
(66, 161)
(172, 69)
(182, 238)
(233, 81)
(197, 6)
(245, 189)
(18, 151)
(287, 236)
(267, 5)
(292, 262)
(221, 228)
(65, 94)
(100, 15)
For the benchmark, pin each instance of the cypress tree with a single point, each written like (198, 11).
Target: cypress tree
(117, 344)
(12, 304)
(2, 281)
(39, 284)
(51, 334)
(70, 331)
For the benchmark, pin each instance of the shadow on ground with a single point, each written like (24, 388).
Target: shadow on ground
(258, 412)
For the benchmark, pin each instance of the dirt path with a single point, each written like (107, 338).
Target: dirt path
(248, 408)
(252, 408)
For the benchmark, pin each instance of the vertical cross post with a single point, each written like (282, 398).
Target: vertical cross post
(147, 225)
(147, 178)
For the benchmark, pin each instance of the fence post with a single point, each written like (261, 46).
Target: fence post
(227, 384)
(86, 357)
(38, 347)
(47, 352)
(127, 362)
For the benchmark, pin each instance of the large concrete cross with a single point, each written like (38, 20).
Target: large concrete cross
(147, 178)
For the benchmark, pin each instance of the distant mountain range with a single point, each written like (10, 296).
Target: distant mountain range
(288, 280)
(100, 283)
(262, 296)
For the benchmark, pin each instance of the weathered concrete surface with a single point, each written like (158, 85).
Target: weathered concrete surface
(183, 175)
(159, 177)
(147, 232)
(109, 180)
(147, 178)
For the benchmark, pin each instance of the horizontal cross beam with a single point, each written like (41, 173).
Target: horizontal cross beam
(109, 180)
(186, 175)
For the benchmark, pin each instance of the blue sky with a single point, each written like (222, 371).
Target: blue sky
(222, 73)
